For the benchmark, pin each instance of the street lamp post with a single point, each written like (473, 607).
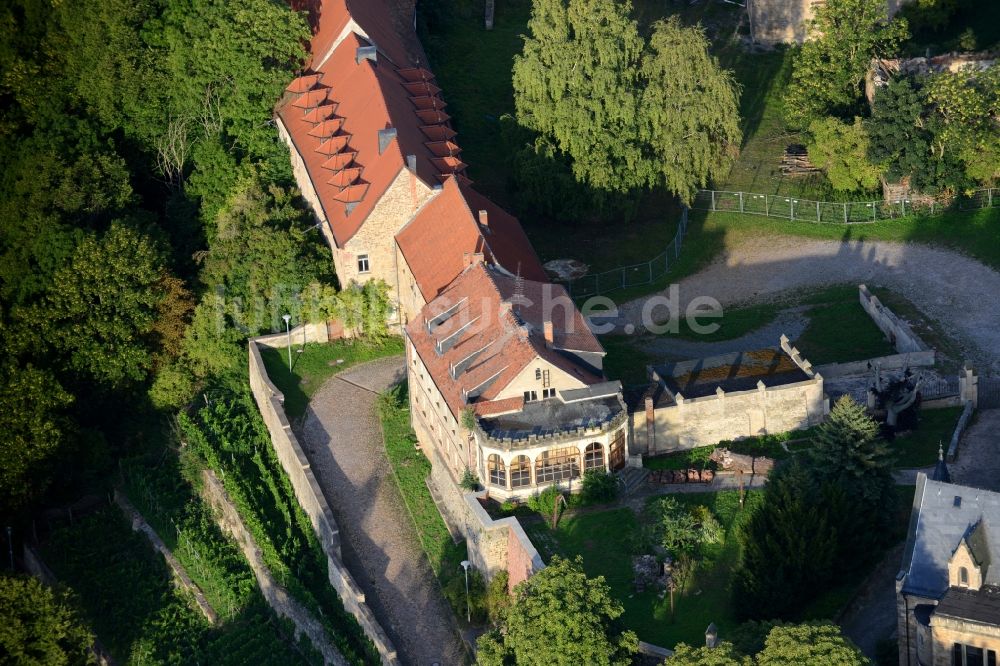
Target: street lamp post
(468, 610)
(288, 331)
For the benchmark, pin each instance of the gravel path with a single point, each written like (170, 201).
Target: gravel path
(978, 463)
(949, 287)
(343, 440)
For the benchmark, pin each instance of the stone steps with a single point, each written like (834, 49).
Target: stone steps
(632, 478)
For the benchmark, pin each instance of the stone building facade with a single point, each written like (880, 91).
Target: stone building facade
(948, 587)
(787, 21)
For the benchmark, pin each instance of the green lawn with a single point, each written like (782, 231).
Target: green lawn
(920, 447)
(411, 468)
(949, 354)
(319, 362)
(607, 540)
(838, 330)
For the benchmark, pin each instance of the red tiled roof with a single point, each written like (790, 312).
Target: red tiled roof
(439, 240)
(339, 110)
(474, 343)
(388, 25)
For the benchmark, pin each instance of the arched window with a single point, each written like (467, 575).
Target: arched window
(557, 465)
(496, 471)
(593, 457)
(520, 472)
(963, 577)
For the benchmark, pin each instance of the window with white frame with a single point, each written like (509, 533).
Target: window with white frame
(520, 472)
(557, 465)
(548, 393)
(496, 470)
(530, 396)
(363, 265)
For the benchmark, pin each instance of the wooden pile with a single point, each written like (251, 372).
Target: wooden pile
(665, 476)
(795, 161)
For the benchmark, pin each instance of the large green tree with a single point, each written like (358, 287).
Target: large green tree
(560, 617)
(40, 626)
(688, 112)
(849, 450)
(788, 548)
(969, 105)
(723, 654)
(627, 114)
(575, 81)
(810, 643)
(829, 68)
(34, 426)
(841, 150)
(100, 310)
(898, 137)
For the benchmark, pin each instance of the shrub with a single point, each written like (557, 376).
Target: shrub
(710, 528)
(546, 502)
(498, 597)
(599, 486)
(469, 481)
(454, 591)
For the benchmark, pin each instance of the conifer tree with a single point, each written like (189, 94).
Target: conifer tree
(788, 548)
(848, 449)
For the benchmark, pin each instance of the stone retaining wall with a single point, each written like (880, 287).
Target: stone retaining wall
(956, 437)
(276, 596)
(493, 545)
(293, 460)
(139, 524)
(897, 331)
(892, 362)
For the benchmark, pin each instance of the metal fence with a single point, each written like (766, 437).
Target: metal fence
(837, 212)
(636, 275)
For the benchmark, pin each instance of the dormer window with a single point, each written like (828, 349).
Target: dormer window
(963, 577)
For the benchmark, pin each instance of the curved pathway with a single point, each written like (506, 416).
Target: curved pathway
(960, 293)
(343, 440)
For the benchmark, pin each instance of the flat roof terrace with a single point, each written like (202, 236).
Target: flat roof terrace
(552, 416)
(738, 371)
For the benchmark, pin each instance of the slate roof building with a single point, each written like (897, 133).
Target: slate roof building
(948, 588)
(374, 153)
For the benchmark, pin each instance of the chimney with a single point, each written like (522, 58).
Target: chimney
(385, 137)
(366, 53)
(548, 332)
(484, 218)
(411, 166)
(473, 258)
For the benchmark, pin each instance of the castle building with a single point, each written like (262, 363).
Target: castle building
(948, 588)
(505, 377)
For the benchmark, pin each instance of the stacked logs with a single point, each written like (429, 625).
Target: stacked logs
(665, 476)
(795, 161)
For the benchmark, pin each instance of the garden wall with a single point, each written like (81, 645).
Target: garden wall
(321, 332)
(687, 423)
(897, 331)
(276, 596)
(891, 362)
(310, 497)
(493, 545)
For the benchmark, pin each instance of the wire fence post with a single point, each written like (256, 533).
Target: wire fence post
(792, 207)
(713, 200)
(989, 198)
(741, 202)
(845, 213)
(818, 218)
(766, 213)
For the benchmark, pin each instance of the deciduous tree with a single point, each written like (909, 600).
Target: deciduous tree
(561, 617)
(810, 643)
(39, 626)
(575, 81)
(830, 66)
(689, 111)
(841, 150)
